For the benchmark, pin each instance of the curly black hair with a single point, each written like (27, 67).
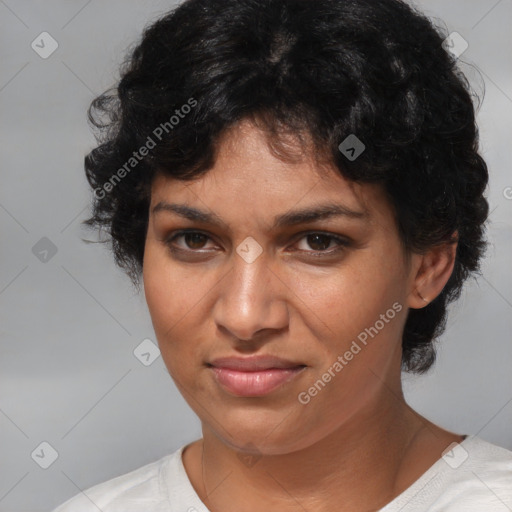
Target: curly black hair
(323, 68)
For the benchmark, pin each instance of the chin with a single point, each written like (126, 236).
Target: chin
(262, 433)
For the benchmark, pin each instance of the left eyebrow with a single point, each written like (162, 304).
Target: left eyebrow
(292, 218)
(312, 214)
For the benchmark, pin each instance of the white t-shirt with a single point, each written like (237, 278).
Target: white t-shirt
(475, 476)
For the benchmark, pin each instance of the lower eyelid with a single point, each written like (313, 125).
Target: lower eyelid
(340, 242)
(171, 239)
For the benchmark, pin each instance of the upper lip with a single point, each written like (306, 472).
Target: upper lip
(253, 363)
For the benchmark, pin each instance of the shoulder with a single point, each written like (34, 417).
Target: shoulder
(476, 456)
(476, 474)
(472, 476)
(140, 489)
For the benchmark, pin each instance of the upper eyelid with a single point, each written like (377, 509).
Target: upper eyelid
(341, 239)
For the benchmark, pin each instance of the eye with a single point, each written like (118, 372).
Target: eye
(193, 240)
(321, 243)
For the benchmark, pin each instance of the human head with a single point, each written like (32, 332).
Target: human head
(318, 70)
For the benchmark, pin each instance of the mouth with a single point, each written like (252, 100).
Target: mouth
(253, 376)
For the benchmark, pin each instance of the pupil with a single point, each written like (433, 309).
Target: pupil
(193, 240)
(324, 246)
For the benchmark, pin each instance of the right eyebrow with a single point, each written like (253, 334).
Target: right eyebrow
(292, 218)
(190, 213)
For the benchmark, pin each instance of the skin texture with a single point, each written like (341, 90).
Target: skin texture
(356, 442)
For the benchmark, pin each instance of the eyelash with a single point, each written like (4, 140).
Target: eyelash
(342, 242)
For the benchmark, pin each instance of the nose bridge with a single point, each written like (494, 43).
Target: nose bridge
(249, 279)
(250, 298)
(248, 288)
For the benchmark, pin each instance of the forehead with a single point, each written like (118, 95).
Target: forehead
(249, 178)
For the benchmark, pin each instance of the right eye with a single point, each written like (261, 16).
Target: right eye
(194, 240)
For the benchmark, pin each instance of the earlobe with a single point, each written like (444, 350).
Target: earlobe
(432, 274)
(423, 298)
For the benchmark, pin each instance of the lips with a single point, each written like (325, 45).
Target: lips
(253, 363)
(254, 376)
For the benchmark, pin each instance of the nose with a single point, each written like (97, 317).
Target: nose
(252, 298)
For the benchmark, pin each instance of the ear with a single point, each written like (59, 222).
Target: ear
(430, 273)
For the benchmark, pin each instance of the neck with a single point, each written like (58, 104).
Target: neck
(358, 464)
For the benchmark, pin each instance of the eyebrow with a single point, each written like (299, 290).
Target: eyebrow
(292, 218)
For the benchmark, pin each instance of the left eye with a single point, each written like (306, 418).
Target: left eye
(194, 241)
(321, 241)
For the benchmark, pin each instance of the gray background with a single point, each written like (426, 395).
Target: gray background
(69, 326)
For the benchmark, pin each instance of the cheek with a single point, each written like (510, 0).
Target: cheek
(347, 301)
(176, 299)
(169, 296)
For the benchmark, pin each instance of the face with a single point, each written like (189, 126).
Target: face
(251, 277)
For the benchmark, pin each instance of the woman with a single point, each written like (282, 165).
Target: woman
(299, 187)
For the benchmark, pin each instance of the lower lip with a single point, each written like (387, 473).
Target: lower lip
(256, 383)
